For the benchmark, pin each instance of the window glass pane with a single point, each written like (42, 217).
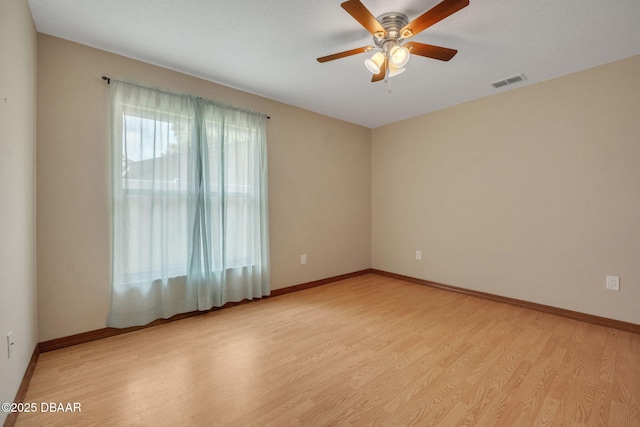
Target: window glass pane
(155, 153)
(155, 182)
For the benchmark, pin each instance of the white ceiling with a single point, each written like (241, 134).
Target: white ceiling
(269, 47)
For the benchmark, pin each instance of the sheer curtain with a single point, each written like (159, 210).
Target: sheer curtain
(190, 214)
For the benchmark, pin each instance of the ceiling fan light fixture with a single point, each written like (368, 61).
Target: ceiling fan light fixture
(399, 56)
(374, 63)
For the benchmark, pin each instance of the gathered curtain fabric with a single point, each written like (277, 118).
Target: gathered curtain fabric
(189, 205)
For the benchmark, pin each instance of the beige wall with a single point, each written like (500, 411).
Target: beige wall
(17, 193)
(319, 183)
(532, 194)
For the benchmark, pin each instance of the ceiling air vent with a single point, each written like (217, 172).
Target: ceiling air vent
(509, 81)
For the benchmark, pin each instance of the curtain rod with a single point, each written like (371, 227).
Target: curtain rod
(108, 80)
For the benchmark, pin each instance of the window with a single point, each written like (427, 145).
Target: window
(190, 227)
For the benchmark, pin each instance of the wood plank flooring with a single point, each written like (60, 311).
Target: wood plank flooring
(369, 350)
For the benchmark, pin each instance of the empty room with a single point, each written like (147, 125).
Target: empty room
(361, 212)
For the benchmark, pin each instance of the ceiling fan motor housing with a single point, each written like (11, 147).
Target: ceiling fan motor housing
(392, 22)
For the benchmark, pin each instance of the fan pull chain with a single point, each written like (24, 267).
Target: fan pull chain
(388, 77)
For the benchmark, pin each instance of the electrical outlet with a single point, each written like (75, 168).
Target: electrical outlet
(10, 344)
(613, 283)
(418, 255)
(303, 259)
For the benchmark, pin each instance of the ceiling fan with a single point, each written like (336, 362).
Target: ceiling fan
(390, 32)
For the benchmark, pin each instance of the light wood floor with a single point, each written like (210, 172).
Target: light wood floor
(365, 351)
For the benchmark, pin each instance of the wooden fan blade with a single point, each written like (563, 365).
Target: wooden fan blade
(431, 51)
(432, 16)
(361, 14)
(345, 53)
(381, 74)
